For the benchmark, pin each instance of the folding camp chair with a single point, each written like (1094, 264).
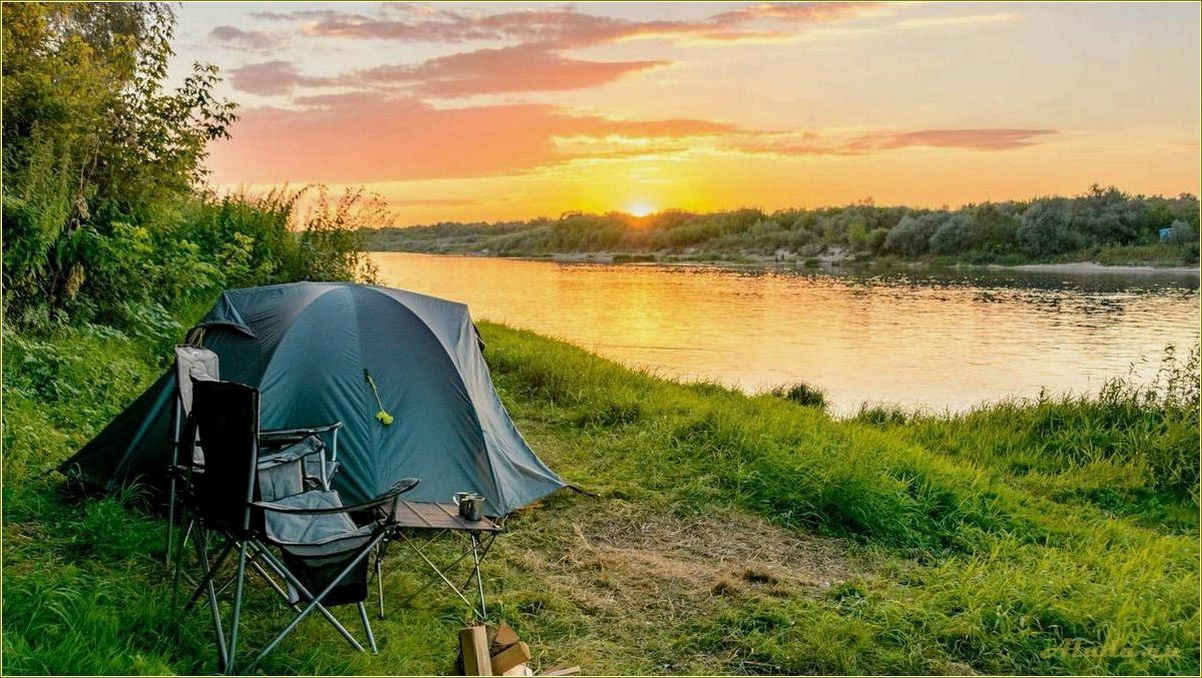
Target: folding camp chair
(201, 363)
(323, 554)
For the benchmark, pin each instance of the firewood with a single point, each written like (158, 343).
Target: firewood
(503, 637)
(473, 643)
(518, 653)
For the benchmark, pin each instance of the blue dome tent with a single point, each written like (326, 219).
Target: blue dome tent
(309, 347)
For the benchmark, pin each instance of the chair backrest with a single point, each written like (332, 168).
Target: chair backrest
(226, 417)
(190, 361)
(193, 361)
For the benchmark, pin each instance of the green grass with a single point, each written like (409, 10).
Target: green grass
(732, 534)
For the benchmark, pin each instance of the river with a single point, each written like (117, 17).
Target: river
(935, 341)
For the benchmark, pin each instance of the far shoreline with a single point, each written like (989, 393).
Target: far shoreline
(822, 264)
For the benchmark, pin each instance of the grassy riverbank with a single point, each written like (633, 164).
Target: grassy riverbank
(730, 534)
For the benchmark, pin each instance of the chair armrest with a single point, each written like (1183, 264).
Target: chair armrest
(286, 433)
(393, 492)
(296, 451)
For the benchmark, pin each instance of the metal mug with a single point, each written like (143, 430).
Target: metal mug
(471, 505)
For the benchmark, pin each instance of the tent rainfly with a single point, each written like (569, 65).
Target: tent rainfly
(309, 347)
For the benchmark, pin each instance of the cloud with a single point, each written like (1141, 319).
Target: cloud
(560, 27)
(993, 139)
(272, 78)
(522, 68)
(362, 137)
(963, 20)
(538, 61)
(809, 143)
(254, 41)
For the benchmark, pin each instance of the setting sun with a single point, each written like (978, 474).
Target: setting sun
(639, 209)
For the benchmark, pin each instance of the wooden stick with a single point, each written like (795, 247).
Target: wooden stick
(504, 637)
(473, 642)
(518, 653)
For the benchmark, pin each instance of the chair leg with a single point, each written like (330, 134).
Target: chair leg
(371, 637)
(316, 602)
(380, 584)
(479, 580)
(202, 551)
(170, 521)
(211, 573)
(325, 612)
(179, 564)
(230, 667)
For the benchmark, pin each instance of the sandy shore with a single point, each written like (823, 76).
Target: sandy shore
(1093, 268)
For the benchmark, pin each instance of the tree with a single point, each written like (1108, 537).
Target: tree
(1045, 228)
(952, 235)
(912, 234)
(91, 138)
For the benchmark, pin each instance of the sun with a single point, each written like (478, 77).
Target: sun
(639, 209)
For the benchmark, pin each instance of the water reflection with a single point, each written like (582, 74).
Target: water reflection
(919, 340)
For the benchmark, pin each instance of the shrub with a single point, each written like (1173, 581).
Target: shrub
(992, 228)
(875, 241)
(912, 235)
(1181, 233)
(1045, 228)
(952, 236)
(803, 394)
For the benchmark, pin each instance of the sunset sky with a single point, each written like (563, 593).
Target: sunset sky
(513, 110)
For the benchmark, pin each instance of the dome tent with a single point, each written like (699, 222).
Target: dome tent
(308, 347)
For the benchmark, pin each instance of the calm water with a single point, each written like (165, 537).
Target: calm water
(933, 341)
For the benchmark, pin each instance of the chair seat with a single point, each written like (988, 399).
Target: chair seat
(315, 535)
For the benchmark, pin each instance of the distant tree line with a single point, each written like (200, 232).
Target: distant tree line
(1099, 221)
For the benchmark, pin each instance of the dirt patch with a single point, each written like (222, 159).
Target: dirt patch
(629, 560)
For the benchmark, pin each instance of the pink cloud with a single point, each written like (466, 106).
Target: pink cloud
(985, 140)
(273, 78)
(536, 63)
(522, 68)
(363, 137)
(562, 27)
(995, 139)
(359, 137)
(252, 40)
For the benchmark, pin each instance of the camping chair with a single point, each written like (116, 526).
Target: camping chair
(323, 554)
(201, 363)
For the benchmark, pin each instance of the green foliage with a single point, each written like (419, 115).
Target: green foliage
(803, 394)
(91, 138)
(912, 235)
(952, 236)
(1045, 229)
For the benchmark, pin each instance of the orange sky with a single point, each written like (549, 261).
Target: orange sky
(508, 110)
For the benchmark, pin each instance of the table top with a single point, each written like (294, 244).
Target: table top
(428, 515)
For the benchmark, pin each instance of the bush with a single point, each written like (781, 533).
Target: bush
(952, 236)
(875, 241)
(803, 394)
(911, 236)
(1045, 228)
(1181, 233)
(992, 228)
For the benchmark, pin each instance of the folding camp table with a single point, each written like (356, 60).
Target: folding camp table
(423, 523)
